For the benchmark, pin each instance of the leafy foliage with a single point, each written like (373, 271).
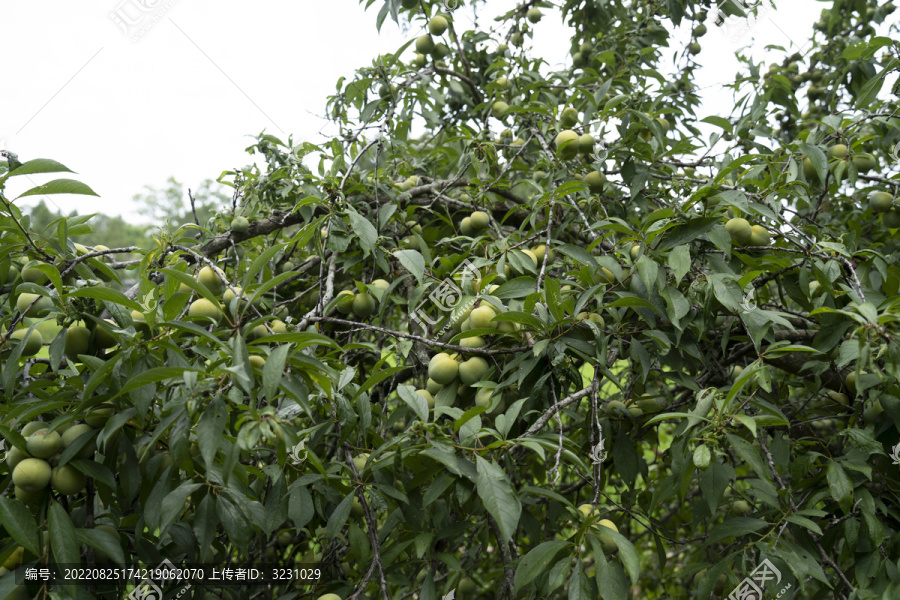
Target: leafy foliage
(447, 355)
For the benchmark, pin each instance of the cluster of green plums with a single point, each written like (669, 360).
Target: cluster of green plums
(37, 467)
(361, 304)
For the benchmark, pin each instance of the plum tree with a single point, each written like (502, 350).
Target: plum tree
(618, 302)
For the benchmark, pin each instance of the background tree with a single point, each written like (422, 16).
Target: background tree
(558, 344)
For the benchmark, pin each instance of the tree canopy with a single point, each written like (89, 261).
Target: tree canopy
(517, 331)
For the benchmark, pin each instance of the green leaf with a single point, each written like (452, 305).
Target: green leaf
(19, 523)
(173, 504)
(365, 231)
(104, 541)
(519, 287)
(273, 371)
(154, 375)
(579, 255)
(499, 497)
(536, 561)
(107, 295)
(40, 165)
(416, 402)
(376, 378)
(339, 517)
(679, 260)
(816, 157)
(210, 428)
(413, 262)
(688, 232)
(62, 535)
(735, 527)
(60, 186)
(840, 484)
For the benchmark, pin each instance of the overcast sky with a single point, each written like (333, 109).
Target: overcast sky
(127, 98)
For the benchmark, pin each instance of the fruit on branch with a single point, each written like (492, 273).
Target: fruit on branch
(891, 219)
(592, 317)
(428, 397)
(67, 480)
(880, 201)
(473, 370)
(568, 117)
(481, 317)
(364, 305)
(740, 231)
(838, 151)
(203, 308)
(425, 44)
(32, 474)
(499, 109)
(759, 236)
(78, 341)
(465, 226)
(14, 456)
(442, 369)
(595, 180)
(211, 279)
(566, 144)
(32, 346)
(102, 338)
(99, 415)
(534, 14)
(73, 433)
(539, 252)
(865, 162)
(257, 361)
(438, 25)
(42, 444)
(344, 302)
(479, 220)
(586, 143)
(699, 31)
(41, 308)
(609, 544)
(35, 275)
(360, 460)
(240, 224)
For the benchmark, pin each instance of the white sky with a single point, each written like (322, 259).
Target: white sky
(185, 97)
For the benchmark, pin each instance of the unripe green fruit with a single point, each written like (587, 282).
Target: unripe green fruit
(606, 540)
(442, 371)
(34, 275)
(257, 361)
(702, 457)
(566, 144)
(483, 396)
(102, 338)
(76, 431)
(695, 48)
(210, 278)
(428, 397)
(593, 317)
(606, 276)
(432, 386)
(699, 31)
(364, 305)
(664, 124)
(67, 480)
(616, 407)
(481, 317)
(838, 151)
(41, 307)
(32, 474)
(78, 341)
(473, 342)
(479, 220)
(360, 461)
(206, 309)
(880, 201)
(329, 597)
(467, 586)
(240, 224)
(425, 44)
(809, 170)
(43, 445)
(891, 219)
(534, 14)
(539, 252)
(585, 510)
(438, 25)
(15, 559)
(499, 109)
(850, 381)
(32, 346)
(864, 162)
(568, 117)
(465, 226)
(356, 509)
(344, 304)
(28, 497)
(99, 415)
(381, 284)
(739, 230)
(872, 412)
(595, 180)
(759, 236)
(839, 397)
(586, 143)
(14, 456)
(473, 370)
(420, 61)
(735, 372)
